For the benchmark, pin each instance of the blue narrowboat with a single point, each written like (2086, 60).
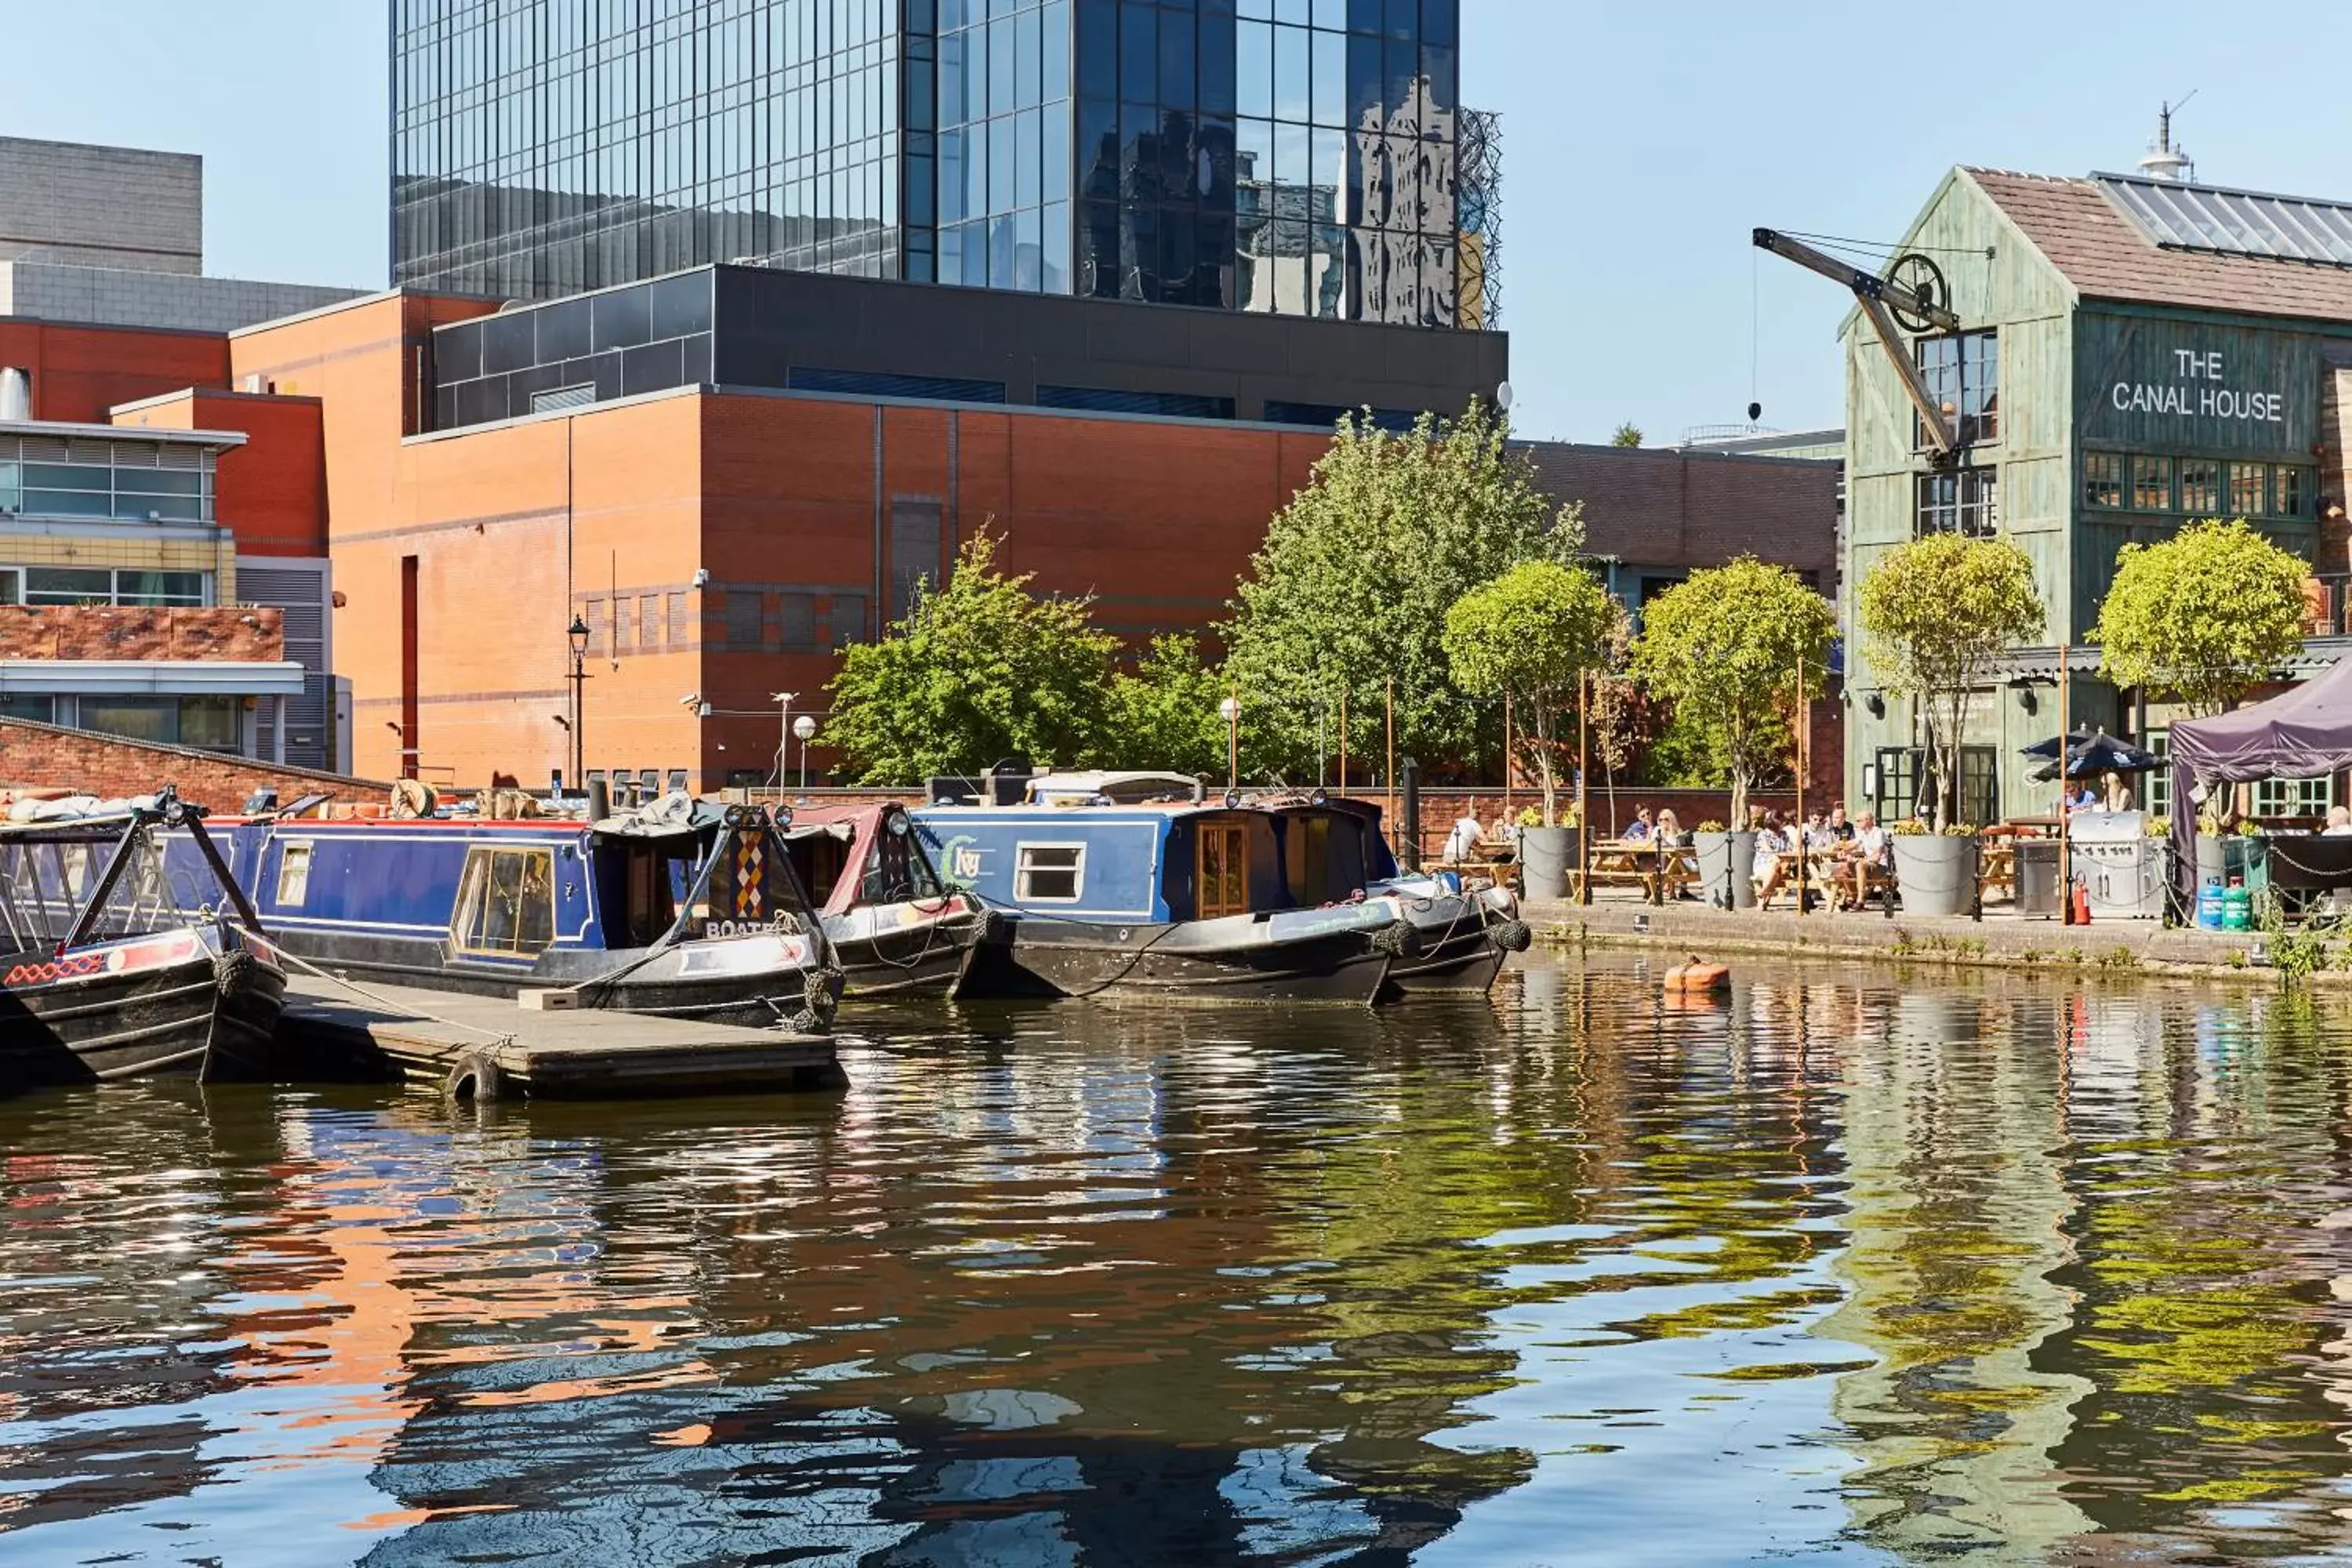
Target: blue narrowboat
(1175, 900)
(679, 911)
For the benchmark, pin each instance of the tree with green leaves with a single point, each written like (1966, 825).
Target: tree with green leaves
(1164, 713)
(2202, 616)
(1357, 574)
(1723, 648)
(1936, 614)
(979, 671)
(1628, 435)
(1531, 632)
(1615, 717)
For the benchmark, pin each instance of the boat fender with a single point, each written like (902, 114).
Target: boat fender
(473, 1076)
(1511, 936)
(1697, 977)
(989, 927)
(1395, 939)
(233, 970)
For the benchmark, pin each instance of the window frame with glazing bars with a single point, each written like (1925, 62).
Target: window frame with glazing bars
(1967, 376)
(1976, 516)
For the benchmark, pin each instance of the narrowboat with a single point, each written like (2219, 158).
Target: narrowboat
(105, 973)
(677, 909)
(1178, 901)
(1333, 851)
(896, 928)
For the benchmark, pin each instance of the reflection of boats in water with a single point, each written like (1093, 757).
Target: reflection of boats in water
(895, 928)
(684, 912)
(104, 975)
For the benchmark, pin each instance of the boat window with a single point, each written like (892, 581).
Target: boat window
(1307, 857)
(655, 875)
(899, 872)
(506, 901)
(1223, 887)
(293, 875)
(1049, 873)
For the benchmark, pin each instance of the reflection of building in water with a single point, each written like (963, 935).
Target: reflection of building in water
(1957, 1207)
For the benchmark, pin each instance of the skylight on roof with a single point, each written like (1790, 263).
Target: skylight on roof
(2235, 223)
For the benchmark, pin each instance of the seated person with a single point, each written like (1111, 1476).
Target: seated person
(2339, 822)
(2117, 795)
(1639, 831)
(2080, 798)
(1669, 830)
(1463, 841)
(1840, 828)
(1867, 854)
(1772, 837)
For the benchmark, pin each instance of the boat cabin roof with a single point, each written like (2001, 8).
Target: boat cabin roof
(1099, 786)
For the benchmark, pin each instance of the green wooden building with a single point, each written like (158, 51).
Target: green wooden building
(2134, 353)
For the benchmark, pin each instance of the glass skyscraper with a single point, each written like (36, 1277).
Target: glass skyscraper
(1299, 156)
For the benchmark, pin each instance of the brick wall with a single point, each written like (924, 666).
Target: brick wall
(110, 632)
(1664, 507)
(46, 756)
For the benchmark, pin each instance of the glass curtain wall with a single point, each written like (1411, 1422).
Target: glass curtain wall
(1003, 190)
(545, 147)
(1155, 151)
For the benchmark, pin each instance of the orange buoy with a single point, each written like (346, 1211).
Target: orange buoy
(1697, 977)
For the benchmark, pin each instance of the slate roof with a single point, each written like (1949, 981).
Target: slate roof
(2107, 256)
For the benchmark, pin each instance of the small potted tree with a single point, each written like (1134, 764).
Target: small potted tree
(1724, 649)
(1533, 631)
(1936, 614)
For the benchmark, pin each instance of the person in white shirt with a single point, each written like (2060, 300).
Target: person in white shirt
(1463, 841)
(1867, 852)
(2339, 822)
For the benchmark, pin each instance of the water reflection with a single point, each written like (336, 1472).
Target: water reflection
(1884, 1268)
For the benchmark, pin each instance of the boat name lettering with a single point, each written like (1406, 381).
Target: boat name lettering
(780, 922)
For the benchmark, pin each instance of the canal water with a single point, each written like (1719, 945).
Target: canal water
(1852, 1265)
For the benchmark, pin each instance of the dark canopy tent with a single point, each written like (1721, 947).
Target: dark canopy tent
(2298, 735)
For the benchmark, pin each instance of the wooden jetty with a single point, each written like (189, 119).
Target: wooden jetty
(474, 1046)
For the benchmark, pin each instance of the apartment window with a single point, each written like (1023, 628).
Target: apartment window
(2158, 743)
(41, 710)
(1049, 873)
(96, 585)
(1961, 500)
(2103, 480)
(293, 875)
(1963, 373)
(2152, 484)
(2200, 487)
(208, 723)
(2250, 486)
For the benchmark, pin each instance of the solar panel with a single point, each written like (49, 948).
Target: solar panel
(2235, 223)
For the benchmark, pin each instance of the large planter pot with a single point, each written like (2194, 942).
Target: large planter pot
(1937, 873)
(1547, 861)
(1743, 870)
(1725, 861)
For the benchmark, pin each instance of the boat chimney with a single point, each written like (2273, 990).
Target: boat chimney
(600, 800)
(2164, 160)
(16, 392)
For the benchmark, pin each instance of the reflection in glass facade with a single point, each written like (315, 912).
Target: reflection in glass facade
(1298, 157)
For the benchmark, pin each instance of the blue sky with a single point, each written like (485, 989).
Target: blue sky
(1643, 142)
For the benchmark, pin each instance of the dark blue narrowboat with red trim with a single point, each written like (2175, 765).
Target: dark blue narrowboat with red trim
(682, 910)
(111, 969)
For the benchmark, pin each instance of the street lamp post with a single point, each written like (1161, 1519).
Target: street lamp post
(805, 728)
(783, 701)
(1231, 709)
(576, 633)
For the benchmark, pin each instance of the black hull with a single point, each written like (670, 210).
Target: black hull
(1464, 963)
(201, 1017)
(921, 961)
(1058, 958)
(755, 1000)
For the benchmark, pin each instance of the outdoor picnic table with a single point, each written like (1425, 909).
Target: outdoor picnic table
(1659, 870)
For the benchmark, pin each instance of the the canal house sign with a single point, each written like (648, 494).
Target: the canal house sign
(2163, 386)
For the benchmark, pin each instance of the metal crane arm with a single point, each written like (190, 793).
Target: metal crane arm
(1873, 294)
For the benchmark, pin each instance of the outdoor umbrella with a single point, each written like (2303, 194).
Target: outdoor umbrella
(2090, 752)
